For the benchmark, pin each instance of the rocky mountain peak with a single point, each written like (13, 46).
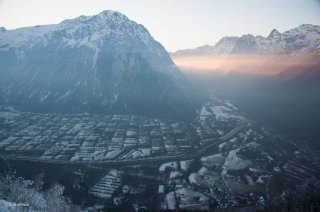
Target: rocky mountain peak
(100, 63)
(274, 33)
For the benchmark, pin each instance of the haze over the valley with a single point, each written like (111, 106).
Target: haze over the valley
(265, 65)
(262, 65)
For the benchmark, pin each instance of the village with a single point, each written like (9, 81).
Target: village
(220, 159)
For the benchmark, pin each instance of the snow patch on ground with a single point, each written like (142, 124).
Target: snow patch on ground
(175, 174)
(224, 113)
(213, 160)
(171, 201)
(185, 164)
(233, 162)
(204, 113)
(170, 165)
(193, 200)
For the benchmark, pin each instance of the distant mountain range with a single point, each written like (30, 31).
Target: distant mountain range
(101, 63)
(301, 39)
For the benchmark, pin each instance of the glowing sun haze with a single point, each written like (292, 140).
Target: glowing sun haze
(177, 24)
(266, 65)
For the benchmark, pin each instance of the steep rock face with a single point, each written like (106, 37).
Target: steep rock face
(102, 63)
(295, 41)
(246, 44)
(225, 45)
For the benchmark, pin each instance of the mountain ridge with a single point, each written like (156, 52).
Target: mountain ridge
(294, 41)
(100, 63)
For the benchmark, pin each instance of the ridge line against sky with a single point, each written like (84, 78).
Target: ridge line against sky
(177, 24)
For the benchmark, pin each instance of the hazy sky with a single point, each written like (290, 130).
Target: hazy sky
(177, 24)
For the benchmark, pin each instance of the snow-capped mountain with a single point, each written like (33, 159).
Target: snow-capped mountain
(104, 62)
(223, 46)
(295, 41)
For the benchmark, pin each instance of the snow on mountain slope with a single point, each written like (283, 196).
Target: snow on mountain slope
(224, 46)
(295, 41)
(104, 62)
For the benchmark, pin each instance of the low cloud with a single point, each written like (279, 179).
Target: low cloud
(266, 65)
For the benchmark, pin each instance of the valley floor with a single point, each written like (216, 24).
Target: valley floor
(222, 159)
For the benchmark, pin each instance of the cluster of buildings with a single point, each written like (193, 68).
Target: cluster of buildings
(84, 137)
(93, 137)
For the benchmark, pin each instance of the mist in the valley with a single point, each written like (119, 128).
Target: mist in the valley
(253, 64)
(282, 92)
